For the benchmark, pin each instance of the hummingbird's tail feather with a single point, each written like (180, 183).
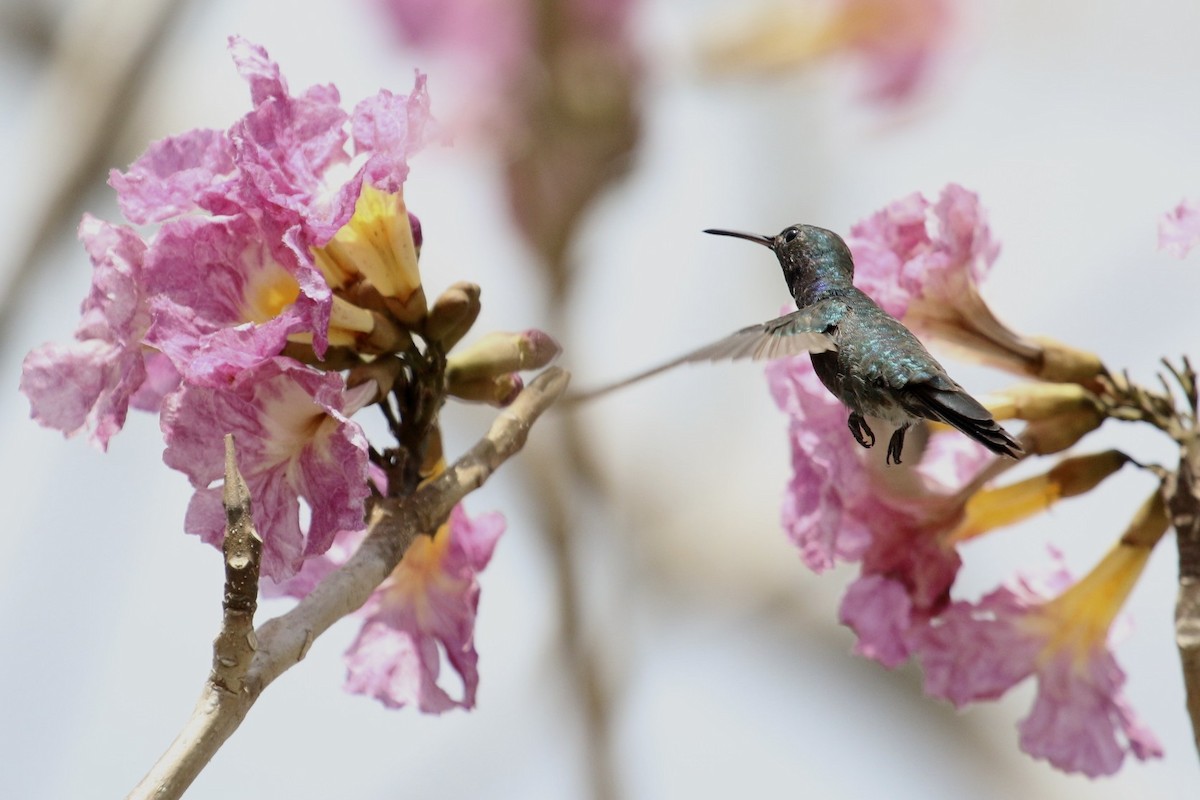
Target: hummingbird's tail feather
(959, 410)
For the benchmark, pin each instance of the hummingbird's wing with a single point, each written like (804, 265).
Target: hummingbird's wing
(808, 330)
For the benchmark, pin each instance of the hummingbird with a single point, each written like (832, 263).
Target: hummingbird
(864, 356)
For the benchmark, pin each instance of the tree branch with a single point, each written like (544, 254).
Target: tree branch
(1182, 493)
(284, 641)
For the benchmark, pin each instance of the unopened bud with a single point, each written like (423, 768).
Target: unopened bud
(500, 353)
(1062, 363)
(499, 390)
(1080, 474)
(453, 314)
(1055, 434)
(1034, 401)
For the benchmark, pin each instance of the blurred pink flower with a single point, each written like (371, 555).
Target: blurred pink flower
(897, 40)
(1179, 230)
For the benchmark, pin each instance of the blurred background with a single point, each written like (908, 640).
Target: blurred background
(645, 629)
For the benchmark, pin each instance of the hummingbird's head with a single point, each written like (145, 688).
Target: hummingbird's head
(814, 260)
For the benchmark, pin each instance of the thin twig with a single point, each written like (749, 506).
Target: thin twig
(282, 642)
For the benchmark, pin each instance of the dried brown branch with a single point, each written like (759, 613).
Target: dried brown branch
(282, 642)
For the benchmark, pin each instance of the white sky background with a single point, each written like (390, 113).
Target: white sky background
(1076, 122)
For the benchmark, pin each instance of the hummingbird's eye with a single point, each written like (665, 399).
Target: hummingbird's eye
(790, 234)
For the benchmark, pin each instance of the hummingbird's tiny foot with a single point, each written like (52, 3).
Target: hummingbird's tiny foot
(896, 445)
(861, 431)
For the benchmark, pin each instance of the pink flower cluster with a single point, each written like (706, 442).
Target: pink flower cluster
(256, 233)
(897, 523)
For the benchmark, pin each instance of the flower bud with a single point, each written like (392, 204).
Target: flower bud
(1034, 401)
(1062, 363)
(453, 314)
(498, 390)
(498, 353)
(1055, 434)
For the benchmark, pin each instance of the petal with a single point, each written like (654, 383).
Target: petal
(1079, 723)
(878, 611)
(975, 651)
(177, 175)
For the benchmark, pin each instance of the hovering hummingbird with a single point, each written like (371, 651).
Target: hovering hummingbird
(865, 357)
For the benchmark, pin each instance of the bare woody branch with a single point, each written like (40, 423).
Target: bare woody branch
(284, 641)
(1182, 494)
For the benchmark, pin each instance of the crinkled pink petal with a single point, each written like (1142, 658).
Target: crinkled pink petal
(88, 384)
(417, 618)
(1179, 230)
(177, 175)
(1079, 723)
(391, 127)
(161, 379)
(899, 261)
(286, 144)
(82, 386)
(974, 651)
(828, 479)
(293, 443)
(878, 610)
(214, 282)
(909, 551)
(115, 308)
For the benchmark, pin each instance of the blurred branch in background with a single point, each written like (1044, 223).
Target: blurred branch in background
(98, 59)
(579, 126)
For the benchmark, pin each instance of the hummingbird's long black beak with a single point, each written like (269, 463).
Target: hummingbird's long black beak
(768, 241)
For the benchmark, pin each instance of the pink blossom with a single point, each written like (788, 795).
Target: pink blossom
(899, 262)
(1179, 230)
(924, 264)
(294, 442)
(423, 613)
(840, 507)
(227, 292)
(1079, 721)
